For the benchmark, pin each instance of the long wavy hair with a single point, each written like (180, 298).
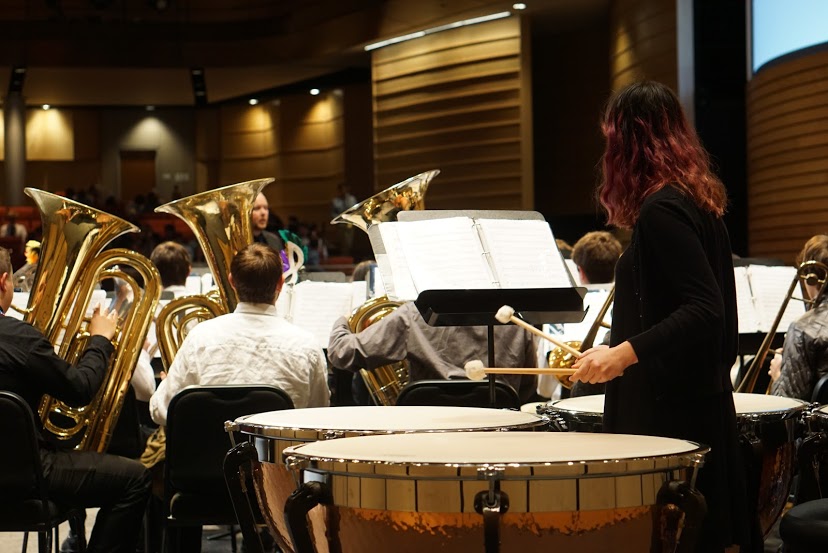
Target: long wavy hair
(650, 145)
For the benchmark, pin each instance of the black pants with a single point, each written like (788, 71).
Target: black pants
(119, 486)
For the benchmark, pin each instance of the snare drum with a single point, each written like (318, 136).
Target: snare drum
(768, 425)
(272, 432)
(469, 492)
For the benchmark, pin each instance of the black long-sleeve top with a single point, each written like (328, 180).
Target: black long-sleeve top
(30, 368)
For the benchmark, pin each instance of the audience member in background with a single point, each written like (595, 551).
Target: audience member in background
(13, 228)
(30, 368)
(24, 277)
(339, 203)
(804, 358)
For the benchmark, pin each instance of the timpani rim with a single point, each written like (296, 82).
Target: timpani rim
(302, 455)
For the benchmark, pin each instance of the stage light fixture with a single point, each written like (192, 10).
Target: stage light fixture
(46, 107)
(314, 92)
(252, 101)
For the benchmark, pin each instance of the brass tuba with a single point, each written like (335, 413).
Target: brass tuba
(558, 358)
(220, 220)
(71, 265)
(809, 272)
(384, 383)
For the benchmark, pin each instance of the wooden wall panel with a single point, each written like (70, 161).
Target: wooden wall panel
(298, 140)
(643, 42)
(787, 136)
(452, 101)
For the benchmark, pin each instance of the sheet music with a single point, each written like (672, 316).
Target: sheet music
(746, 309)
(193, 284)
(316, 305)
(393, 265)
(284, 301)
(359, 293)
(770, 286)
(524, 253)
(593, 302)
(21, 300)
(445, 254)
(573, 270)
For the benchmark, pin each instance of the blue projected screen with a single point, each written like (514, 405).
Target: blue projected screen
(783, 26)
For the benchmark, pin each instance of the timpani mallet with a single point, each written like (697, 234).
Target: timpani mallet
(506, 314)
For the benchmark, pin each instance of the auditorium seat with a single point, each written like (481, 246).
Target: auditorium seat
(460, 393)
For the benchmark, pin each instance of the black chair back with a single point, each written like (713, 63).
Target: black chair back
(21, 473)
(460, 393)
(196, 440)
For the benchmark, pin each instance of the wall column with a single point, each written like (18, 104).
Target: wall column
(14, 120)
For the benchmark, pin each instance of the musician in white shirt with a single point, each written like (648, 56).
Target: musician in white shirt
(252, 345)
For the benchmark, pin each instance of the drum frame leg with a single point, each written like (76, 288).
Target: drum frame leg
(238, 470)
(301, 501)
(679, 515)
(491, 504)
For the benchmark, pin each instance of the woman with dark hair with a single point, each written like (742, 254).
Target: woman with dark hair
(674, 329)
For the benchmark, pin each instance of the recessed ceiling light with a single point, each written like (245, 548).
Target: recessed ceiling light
(47, 107)
(519, 6)
(252, 101)
(314, 92)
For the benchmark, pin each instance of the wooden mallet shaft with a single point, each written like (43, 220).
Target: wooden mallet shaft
(507, 314)
(528, 370)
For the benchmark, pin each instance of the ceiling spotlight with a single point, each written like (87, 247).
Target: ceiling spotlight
(314, 92)
(252, 101)
(150, 108)
(519, 6)
(46, 107)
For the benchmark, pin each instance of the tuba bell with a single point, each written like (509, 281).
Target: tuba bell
(220, 220)
(384, 383)
(71, 266)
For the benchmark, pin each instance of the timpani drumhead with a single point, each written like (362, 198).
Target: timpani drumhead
(750, 404)
(492, 448)
(385, 420)
(583, 404)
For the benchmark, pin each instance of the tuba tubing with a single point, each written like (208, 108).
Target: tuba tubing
(71, 265)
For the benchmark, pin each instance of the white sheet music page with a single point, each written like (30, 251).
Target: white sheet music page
(317, 305)
(745, 307)
(444, 254)
(770, 286)
(393, 264)
(593, 302)
(524, 254)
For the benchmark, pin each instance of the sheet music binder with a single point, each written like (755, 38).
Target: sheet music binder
(477, 307)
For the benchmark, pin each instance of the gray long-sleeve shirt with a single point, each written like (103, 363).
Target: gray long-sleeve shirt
(433, 352)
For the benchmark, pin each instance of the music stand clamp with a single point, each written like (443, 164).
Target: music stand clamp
(479, 307)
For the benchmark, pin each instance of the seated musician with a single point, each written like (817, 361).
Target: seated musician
(24, 276)
(804, 357)
(252, 345)
(432, 352)
(30, 368)
(595, 254)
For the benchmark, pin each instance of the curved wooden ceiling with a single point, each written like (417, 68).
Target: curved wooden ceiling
(139, 52)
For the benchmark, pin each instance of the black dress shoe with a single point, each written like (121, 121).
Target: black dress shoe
(70, 544)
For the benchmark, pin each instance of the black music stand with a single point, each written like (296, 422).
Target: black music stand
(479, 307)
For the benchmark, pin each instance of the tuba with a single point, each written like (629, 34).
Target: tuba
(808, 272)
(220, 220)
(71, 266)
(558, 358)
(384, 383)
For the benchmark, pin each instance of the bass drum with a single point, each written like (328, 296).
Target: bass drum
(272, 432)
(768, 428)
(511, 492)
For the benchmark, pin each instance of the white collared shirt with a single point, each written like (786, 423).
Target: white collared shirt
(252, 345)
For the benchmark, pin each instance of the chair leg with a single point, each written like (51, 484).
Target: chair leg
(25, 541)
(232, 538)
(44, 542)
